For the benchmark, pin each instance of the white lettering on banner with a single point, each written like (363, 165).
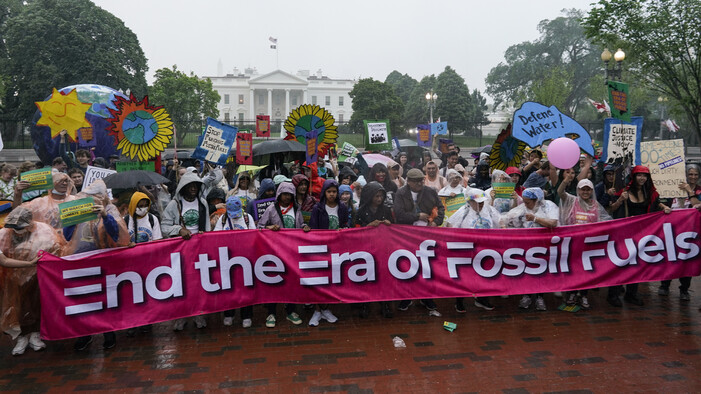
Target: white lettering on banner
(361, 266)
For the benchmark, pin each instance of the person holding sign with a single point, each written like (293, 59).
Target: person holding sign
(8, 172)
(502, 194)
(638, 198)
(454, 187)
(20, 242)
(45, 208)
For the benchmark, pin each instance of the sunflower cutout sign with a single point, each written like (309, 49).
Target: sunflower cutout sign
(63, 112)
(506, 151)
(141, 131)
(313, 127)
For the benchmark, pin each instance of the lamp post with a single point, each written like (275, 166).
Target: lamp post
(431, 100)
(663, 102)
(613, 73)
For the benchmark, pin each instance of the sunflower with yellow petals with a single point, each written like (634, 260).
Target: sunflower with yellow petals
(141, 131)
(308, 120)
(506, 151)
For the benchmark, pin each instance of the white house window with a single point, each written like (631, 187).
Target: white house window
(226, 99)
(261, 99)
(328, 100)
(240, 98)
(241, 117)
(313, 100)
(227, 117)
(340, 101)
(340, 118)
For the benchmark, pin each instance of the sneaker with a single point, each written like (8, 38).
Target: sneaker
(404, 305)
(633, 299)
(21, 346)
(663, 291)
(614, 301)
(572, 298)
(525, 302)
(82, 343)
(247, 323)
(540, 304)
(228, 321)
(435, 313)
(387, 310)
(35, 341)
(110, 340)
(429, 304)
(200, 322)
(179, 324)
(483, 303)
(584, 302)
(460, 306)
(314, 321)
(270, 321)
(328, 316)
(294, 318)
(684, 296)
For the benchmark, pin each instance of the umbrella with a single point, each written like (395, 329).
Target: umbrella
(277, 146)
(182, 154)
(133, 179)
(405, 143)
(372, 158)
(485, 149)
(244, 168)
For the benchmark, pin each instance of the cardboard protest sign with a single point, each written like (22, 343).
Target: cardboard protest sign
(86, 137)
(76, 211)
(618, 97)
(622, 141)
(263, 126)
(452, 204)
(667, 165)
(244, 148)
(306, 216)
(443, 144)
(503, 189)
(40, 179)
(423, 135)
(535, 123)
(261, 206)
(348, 153)
(135, 165)
(92, 173)
(439, 128)
(377, 136)
(215, 143)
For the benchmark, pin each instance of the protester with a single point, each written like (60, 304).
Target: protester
(404, 163)
(418, 205)
(328, 214)
(244, 188)
(534, 212)
(303, 198)
(395, 173)
(539, 177)
(637, 198)
(454, 187)
(77, 177)
(380, 174)
(142, 225)
(433, 179)
(516, 178)
(481, 180)
(59, 165)
(347, 176)
(265, 191)
(45, 209)
(8, 181)
(277, 181)
(451, 161)
(534, 163)
(216, 203)
(20, 242)
(605, 190)
(82, 156)
(346, 196)
(502, 205)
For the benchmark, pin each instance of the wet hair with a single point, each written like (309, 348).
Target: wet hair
(57, 161)
(73, 171)
(82, 152)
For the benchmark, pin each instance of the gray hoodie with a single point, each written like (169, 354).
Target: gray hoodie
(273, 214)
(171, 221)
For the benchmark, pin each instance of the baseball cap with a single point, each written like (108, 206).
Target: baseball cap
(414, 173)
(585, 182)
(476, 195)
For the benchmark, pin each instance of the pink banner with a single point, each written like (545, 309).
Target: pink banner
(169, 279)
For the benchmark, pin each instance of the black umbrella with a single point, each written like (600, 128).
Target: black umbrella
(133, 179)
(277, 146)
(182, 154)
(478, 151)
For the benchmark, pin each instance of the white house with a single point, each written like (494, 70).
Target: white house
(244, 95)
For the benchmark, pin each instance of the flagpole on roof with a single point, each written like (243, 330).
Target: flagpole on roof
(277, 55)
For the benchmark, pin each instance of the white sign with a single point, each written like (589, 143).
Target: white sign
(93, 173)
(666, 162)
(621, 143)
(378, 133)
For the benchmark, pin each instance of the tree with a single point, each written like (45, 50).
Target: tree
(374, 100)
(187, 98)
(662, 40)
(56, 43)
(402, 84)
(454, 102)
(416, 110)
(537, 70)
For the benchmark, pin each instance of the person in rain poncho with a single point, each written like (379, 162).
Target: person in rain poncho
(45, 209)
(534, 212)
(454, 187)
(21, 240)
(582, 209)
(502, 205)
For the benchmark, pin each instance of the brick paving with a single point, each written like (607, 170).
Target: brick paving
(655, 348)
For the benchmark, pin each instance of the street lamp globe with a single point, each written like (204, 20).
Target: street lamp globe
(435, 97)
(428, 96)
(606, 55)
(619, 56)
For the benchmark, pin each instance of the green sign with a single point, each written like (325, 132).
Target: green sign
(377, 135)
(136, 165)
(40, 179)
(76, 211)
(618, 96)
(503, 189)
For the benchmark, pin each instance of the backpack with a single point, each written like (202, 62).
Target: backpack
(150, 219)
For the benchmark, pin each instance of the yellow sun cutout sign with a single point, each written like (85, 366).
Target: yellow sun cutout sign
(63, 112)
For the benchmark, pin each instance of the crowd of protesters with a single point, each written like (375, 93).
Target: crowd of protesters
(321, 195)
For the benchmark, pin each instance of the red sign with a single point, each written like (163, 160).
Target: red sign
(169, 279)
(263, 126)
(244, 148)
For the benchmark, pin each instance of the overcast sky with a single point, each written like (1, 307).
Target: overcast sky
(345, 39)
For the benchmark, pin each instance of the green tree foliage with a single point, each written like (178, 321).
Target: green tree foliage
(662, 40)
(56, 43)
(374, 100)
(416, 110)
(538, 70)
(403, 84)
(187, 98)
(454, 102)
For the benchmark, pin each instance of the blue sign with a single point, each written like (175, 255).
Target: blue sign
(440, 128)
(535, 123)
(216, 142)
(622, 141)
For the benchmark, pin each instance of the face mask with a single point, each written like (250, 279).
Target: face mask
(54, 191)
(141, 211)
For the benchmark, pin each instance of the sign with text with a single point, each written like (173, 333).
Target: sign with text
(262, 125)
(667, 165)
(40, 179)
(76, 211)
(452, 204)
(261, 206)
(244, 148)
(347, 152)
(423, 135)
(135, 165)
(93, 173)
(535, 123)
(215, 143)
(117, 289)
(622, 141)
(503, 189)
(86, 138)
(377, 136)
(618, 97)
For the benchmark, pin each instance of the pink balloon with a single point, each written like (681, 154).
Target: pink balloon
(563, 153)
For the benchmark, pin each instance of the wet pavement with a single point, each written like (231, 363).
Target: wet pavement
(654, 348)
